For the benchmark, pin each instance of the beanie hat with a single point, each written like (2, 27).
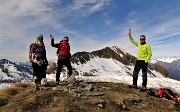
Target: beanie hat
(40, 37)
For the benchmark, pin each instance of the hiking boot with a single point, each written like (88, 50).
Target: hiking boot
(57, 82)
(143, 89)
(37, 85)
(132, 86)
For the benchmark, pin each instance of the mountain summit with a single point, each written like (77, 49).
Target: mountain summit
(111, 60)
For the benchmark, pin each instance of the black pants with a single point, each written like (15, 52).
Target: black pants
(140, 64)
(39, 72)
(62, 62)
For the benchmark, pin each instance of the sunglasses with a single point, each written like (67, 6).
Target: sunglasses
(142, 39)
(65, 40)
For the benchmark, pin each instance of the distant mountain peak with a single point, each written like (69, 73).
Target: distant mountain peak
(113, 52)
(5, 61)
(168, 59)
(14, 72)
(171, 64)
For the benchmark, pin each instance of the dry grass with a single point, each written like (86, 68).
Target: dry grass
(59, 108)
(20, 98)
(13, 91)
(10, 91)
(95, 100)
(4, 99)
(21, 85)
(119, 98)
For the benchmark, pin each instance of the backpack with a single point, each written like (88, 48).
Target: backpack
(167, 93)
(63, 50)
(30, 51)
(150, 92)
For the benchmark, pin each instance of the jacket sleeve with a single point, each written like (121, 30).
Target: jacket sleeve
(45, 57)
(149, 53)
(133, 41)
(54, 45)
(34, 48)
(45, 53)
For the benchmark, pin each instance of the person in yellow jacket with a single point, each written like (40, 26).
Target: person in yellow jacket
(143, 56)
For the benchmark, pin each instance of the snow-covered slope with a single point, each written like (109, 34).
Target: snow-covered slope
(171, 64)
(113, 64)
(14, 72)
(104, 67)
(164, 60)
(110, 62)
(168, 60)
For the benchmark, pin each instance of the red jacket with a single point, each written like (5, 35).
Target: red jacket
(63, 48)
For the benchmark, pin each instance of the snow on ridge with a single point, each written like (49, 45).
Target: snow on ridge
(10, 67)
(156, 83)
(110, 70)
(114, 48)
(153, 61)
(13, 72)
(100, 66)
(168, 60)
(3, 75)
(104, 67)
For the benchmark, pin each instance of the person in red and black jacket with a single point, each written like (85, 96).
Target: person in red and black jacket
(63, 56)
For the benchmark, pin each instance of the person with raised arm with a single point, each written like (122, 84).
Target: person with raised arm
(143, 56)
(64, 55)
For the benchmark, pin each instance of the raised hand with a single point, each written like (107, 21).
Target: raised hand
(51, 37)
(129, 31)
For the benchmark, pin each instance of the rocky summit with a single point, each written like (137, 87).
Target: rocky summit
(81, 96)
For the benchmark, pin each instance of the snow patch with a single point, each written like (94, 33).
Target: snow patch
(156, 83)
(168, 60)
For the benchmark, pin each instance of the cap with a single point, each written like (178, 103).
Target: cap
(40, 36)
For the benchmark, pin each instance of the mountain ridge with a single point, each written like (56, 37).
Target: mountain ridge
(172, 65)
(115, 53)
(109, 60)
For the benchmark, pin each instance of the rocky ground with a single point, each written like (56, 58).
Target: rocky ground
(79, 96)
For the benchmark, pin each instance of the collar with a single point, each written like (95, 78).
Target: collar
(143, 43)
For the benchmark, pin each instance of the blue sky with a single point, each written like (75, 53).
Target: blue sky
(90, 25)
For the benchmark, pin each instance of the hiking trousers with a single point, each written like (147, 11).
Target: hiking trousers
(67, 63)
(39, 72)
(140, 64)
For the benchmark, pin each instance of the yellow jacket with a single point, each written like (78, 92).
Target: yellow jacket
(144, 51)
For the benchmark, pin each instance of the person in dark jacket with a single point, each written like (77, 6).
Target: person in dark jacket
(64, 55)
(39, 60)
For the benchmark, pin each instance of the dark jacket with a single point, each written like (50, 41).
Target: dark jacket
(40, 52)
